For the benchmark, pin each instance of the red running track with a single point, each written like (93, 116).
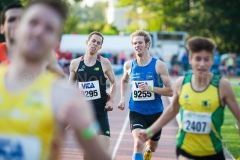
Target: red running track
(124, 148)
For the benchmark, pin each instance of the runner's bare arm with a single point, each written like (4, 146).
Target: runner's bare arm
(72, 68)
(54, 67)
(125, 79)
(71, 108)
(162, 70)
(124, 84)
(170, 112)
(111, 77)
(229, 99)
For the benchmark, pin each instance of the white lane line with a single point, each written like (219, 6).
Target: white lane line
(67, 127)
(229, 154)
(236, 126)
(120, 137)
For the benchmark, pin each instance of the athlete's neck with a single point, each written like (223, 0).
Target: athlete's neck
(9, 49)
(200, 83)
(144, 60)
(90, 59)
(22, 73)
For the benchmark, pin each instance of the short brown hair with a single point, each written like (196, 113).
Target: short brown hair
(10, 6)
(143, 33)
(58, 5)
(96, 33)
(197, 44)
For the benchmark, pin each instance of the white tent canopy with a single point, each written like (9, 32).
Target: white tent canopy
(76, 43)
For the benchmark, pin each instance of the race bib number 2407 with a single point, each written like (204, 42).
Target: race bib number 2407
(197, 122)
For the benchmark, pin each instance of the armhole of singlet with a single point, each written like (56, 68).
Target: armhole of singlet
(81, 59)
(99, 60)
(155, 66)
(188, 75)
(217, 85)
(131, 67)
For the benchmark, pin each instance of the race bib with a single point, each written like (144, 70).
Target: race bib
(196, 122)
(90, 90)
(139, 95)
(19, 148)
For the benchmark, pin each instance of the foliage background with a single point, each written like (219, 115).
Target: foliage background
(218, 20)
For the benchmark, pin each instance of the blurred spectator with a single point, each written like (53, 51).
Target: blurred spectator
(230, 64)
(175, 64)
(216, 63)
(132, 56)
(108, 55)
(115, 58)
(122, 58)
(67, 55)
(237, 69)
(185, 63)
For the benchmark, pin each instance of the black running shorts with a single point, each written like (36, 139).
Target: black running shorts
(104, 125)
(142, 121)
(218, 156)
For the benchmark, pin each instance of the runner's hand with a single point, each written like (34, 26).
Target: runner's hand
(121, 105)
(144, 87)
(143, 135)
(109, 106)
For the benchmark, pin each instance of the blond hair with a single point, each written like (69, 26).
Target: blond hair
(143, 33)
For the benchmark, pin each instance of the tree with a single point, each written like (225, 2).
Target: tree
(210, 18)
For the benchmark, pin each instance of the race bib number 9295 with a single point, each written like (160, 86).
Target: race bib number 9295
(90, 90)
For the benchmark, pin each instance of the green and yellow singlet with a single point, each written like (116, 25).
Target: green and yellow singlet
(201, 118)
(27, 124)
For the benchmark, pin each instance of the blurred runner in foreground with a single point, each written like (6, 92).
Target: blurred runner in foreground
(34, 106)
(9, 18)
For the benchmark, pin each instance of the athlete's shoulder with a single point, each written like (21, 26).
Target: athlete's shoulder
(178, 84)
(105, 61)
(179, 80)
(62, 92)
(224, 83)
(160, 63)
(128, 64)
(75, 61)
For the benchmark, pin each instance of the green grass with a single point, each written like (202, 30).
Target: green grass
(231, 138)
(236, 88)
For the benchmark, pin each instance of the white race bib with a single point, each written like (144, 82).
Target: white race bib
(90, 90)
(139, 95)
(15, 147)
(197, 122)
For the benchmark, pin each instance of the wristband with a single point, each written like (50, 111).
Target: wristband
(90, 131)
(151, 89)
(149, 132)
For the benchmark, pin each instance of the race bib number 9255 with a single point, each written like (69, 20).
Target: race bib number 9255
(139, 95)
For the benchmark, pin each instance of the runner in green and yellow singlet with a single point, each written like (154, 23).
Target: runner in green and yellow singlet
(200, 98)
